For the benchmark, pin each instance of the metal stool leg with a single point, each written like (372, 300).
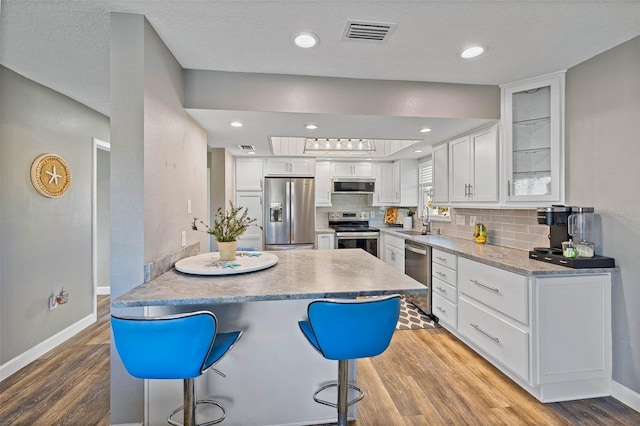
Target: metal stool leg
(343, 389)
(189, 407)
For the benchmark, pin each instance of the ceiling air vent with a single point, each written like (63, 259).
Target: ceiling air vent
(368, 30)
(247, 147)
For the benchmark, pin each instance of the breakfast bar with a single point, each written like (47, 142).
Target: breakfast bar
(273, 371)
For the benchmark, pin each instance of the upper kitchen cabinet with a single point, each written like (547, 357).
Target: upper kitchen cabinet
(474, 168)
(397, 183)
(290, 166)
(249, 174)
(533, 123)
(440, 173)
(359, 169)
(323, 183)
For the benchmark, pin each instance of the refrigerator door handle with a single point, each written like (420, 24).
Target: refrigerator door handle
(291, 190)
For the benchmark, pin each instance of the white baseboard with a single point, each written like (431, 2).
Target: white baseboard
(101, 291)
(625, 395)
(22, 360)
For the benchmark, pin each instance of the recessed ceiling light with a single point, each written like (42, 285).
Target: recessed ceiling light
(417, 151)
(251, 152)
(236, 124)
(472, 52)
(305, 40)
(425, 130)
(311, 126)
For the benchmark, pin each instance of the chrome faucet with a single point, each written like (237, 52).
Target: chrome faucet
(426, 221)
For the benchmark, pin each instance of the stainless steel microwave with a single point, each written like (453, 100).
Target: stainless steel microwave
(353, 185)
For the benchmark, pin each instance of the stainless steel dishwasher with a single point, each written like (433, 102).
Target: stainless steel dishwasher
(417, 264)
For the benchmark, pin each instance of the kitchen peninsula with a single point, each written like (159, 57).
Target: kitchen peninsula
(273, 371)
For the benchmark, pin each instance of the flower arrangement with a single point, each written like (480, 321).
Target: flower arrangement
(228, 225)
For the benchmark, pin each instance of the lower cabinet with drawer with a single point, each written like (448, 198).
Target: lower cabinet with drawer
(444, 288)
(549, 333)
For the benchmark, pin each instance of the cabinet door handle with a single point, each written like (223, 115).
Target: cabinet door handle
(497, 290)
(442, 274)
(470, 191)
(260, 184)
(495, 339)
(393, 256)
(441, 309)
(441, 258)
(444, 290)
(509, 188)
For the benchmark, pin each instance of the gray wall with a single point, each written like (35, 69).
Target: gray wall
(103, 216)
(603, 158)
(45, 242)
(330, 95)
(158, 162)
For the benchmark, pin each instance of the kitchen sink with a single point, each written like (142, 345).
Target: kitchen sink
(410, 232)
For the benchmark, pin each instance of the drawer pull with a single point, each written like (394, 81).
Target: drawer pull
(495, 339)
(485, 286)
(444, 290)
(441, 258)
(441, 309)
(441, 274)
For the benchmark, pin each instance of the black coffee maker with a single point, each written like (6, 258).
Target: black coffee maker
(557, 217)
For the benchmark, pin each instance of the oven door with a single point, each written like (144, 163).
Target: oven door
(367, 241)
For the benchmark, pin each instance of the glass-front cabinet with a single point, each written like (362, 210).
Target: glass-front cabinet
(533, 122)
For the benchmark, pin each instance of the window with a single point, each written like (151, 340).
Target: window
(425, 190)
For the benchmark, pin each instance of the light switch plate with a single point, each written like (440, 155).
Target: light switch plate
(460, 219)
(188, 206)
(472, 221)
(184, 238)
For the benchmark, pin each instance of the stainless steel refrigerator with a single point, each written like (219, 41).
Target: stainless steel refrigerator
(290, 213)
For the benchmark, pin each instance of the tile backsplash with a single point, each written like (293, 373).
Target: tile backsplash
(514, 228)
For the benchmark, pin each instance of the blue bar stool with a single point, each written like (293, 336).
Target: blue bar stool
(345, 329)
(179, 346)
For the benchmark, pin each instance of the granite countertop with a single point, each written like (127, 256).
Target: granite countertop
(502, 257)
(299, 274)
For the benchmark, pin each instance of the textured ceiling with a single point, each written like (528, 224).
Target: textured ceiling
(65, 44)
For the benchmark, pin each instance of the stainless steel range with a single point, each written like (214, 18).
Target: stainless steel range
(353, 231)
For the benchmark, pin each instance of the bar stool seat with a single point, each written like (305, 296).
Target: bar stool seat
(345, 329)
(179, 346)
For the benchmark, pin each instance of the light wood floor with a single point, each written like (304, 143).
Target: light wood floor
(426, 377)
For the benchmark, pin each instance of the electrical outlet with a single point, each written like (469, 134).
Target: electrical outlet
(188, 206)
(372, 214)
(52, 303)
(184, 238)
(460, 219)
(472, 221)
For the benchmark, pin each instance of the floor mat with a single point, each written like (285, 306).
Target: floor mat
(411, 318)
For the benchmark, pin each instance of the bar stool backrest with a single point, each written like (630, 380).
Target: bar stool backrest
(350, 329)
(168, 347)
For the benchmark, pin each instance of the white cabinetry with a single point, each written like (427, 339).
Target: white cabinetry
(394, 251)
(325, 241)
(290, 166)
(397, 183)
(532, 329)
(323, 183)
(358, 169)
(473, 167)
(252, 201)
(533, 123)
(249, 174)
(444, 282)
(441, 173)
(386, 184)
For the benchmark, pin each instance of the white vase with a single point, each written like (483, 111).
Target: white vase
(227, 250)
(408, 222)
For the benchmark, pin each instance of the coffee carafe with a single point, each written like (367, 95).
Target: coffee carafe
(580, 226)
